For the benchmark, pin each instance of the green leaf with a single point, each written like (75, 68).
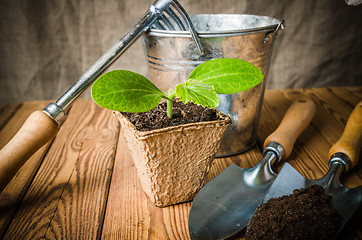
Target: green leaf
(126, 91)
(197, 92)
(228, 75)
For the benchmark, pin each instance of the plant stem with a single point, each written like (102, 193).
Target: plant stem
(169, 108)
(171, 97)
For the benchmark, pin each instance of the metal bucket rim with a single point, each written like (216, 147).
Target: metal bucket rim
(170, 33)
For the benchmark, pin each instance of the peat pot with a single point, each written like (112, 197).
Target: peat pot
(172, 55)
(172, 162)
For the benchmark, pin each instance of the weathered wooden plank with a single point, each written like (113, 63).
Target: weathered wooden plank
(55, 204)
(68, 195)
(333, 113)
(15, 116)
(349, 95)
(7, 110)
(129, 214)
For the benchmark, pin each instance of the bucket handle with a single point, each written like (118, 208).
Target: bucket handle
(281, 25)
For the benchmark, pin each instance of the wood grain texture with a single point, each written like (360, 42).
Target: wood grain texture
(75, 195)
(68, 196)
(7, 110)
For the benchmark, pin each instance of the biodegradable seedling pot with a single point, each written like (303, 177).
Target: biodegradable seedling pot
(172, 162)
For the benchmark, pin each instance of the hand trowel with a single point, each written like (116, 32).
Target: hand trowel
(225, 205)
(343, 155)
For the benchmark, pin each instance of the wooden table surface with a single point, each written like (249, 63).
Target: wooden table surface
(84, 184)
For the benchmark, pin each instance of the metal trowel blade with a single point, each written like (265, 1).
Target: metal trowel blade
(229, 194)
(288, 179)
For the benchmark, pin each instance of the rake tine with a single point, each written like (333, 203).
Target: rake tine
(167, 22)
(187, 19)
(178, 21)
(159, 25)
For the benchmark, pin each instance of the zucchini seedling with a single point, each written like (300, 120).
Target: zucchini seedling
(126, 91)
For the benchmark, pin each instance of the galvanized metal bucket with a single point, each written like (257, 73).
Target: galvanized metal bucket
(172, 55)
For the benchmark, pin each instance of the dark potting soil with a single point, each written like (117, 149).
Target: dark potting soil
(182, 113)
(305, 214)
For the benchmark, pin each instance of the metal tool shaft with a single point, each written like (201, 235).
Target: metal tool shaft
(59, 109)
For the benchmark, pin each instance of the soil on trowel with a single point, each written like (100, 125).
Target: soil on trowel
(305, 214)
(182, 114)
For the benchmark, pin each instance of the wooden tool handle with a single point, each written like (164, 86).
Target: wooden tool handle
(296, 119)
(37, 130)
(351, 139)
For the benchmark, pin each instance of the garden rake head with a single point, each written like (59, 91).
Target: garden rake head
(175, 18)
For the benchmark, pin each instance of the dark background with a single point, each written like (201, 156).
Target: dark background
(46, 45)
